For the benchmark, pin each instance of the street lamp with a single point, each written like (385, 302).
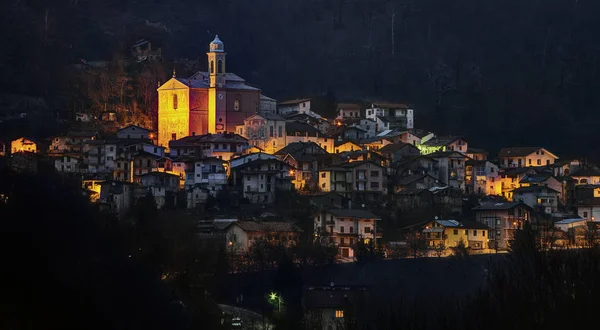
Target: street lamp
(273, 296)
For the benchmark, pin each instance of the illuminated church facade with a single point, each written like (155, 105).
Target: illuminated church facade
(207, 102)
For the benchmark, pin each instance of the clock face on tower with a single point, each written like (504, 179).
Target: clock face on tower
(221, 96)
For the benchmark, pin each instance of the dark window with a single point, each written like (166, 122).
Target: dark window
(174, 102)
(280, 131)
(148, 163)
(341, 229)
(174, 137)
(220, 66)
(271, 131)
(375, 174)
(212, 66)
(455, 232)
(351, 229)
(367, 230)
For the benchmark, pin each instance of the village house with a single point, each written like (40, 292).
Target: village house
(354, 133)
(565, 167)
(448, 197)
(444, 144)
(298, 105)
(326, 306)
(145, 147)
(330, 200)
(364, 180)
(399, 115)
(413, 199)
(221, 145)
(369, 126)
(25, 161)
(586, 176)
(348, 110)
(267, 105)
(101, 155)
(362, 155)
(196, 196)
(237, 161)
(133, 132)
(502, 219)
(343, 146)
(345, 227)
(302, 132)
(163, 186)
(525, 156)
(265, 131)
(450, 233)
(68, 163)
(451, 165)
(116, 197)
(396, 152)
(241, 235)
(71, 142)
(314, 120)
(587, 201)
(208, 173)
(482, 178)
(23, 144)
(416, 164)
(533, 196)
(415, 181)
(477, 154)
(511, 178)
(261, 179)
(374, 144)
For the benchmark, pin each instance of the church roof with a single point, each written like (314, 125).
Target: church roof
(200, 79)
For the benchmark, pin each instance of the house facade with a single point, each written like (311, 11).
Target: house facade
(502, 219)
(265, 131)
(344, 227)
(241, 235)
(362, 179)
(525, 157)
(541, 196)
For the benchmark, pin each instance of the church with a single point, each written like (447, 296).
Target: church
(207, 102)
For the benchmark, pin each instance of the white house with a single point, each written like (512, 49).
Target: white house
(69, 163)
(262, 178)
(298, 105)
(525, 157)
(537, 195)
(399, 115)
(209, 173)
(345, 227)
(348, 110)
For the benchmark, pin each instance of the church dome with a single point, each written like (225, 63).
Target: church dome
(217, 45)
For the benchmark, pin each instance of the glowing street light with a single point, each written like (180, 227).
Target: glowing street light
(273, 296)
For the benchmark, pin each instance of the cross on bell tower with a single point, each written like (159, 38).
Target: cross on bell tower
(216, 63)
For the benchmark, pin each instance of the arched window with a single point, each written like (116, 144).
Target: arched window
(236, 105)
(212, 66)
(174, 101)
(220, 66)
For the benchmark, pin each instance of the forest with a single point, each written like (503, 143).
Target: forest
(497, 72)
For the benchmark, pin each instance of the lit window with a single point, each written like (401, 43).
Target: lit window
(339, 314)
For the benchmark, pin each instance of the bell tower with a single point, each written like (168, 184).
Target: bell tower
(217, 96)
(216, 63)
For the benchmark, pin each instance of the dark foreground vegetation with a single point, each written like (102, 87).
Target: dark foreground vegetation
(66, 265)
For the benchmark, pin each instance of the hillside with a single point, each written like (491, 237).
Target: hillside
(499, 72)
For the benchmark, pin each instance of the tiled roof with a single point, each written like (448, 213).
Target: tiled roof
(299, 127)
(161, 174)
(586, 172)
(533, 189)
(535, 178)
(468, 224)
(393, 147)
(353, 213)
(295, 147)
(497, 206)
(476, 151)
(442, 141)
(296, 101)
(214, 138)
(254, 226)
(444, 154)
(517, 151)
(404, 180)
